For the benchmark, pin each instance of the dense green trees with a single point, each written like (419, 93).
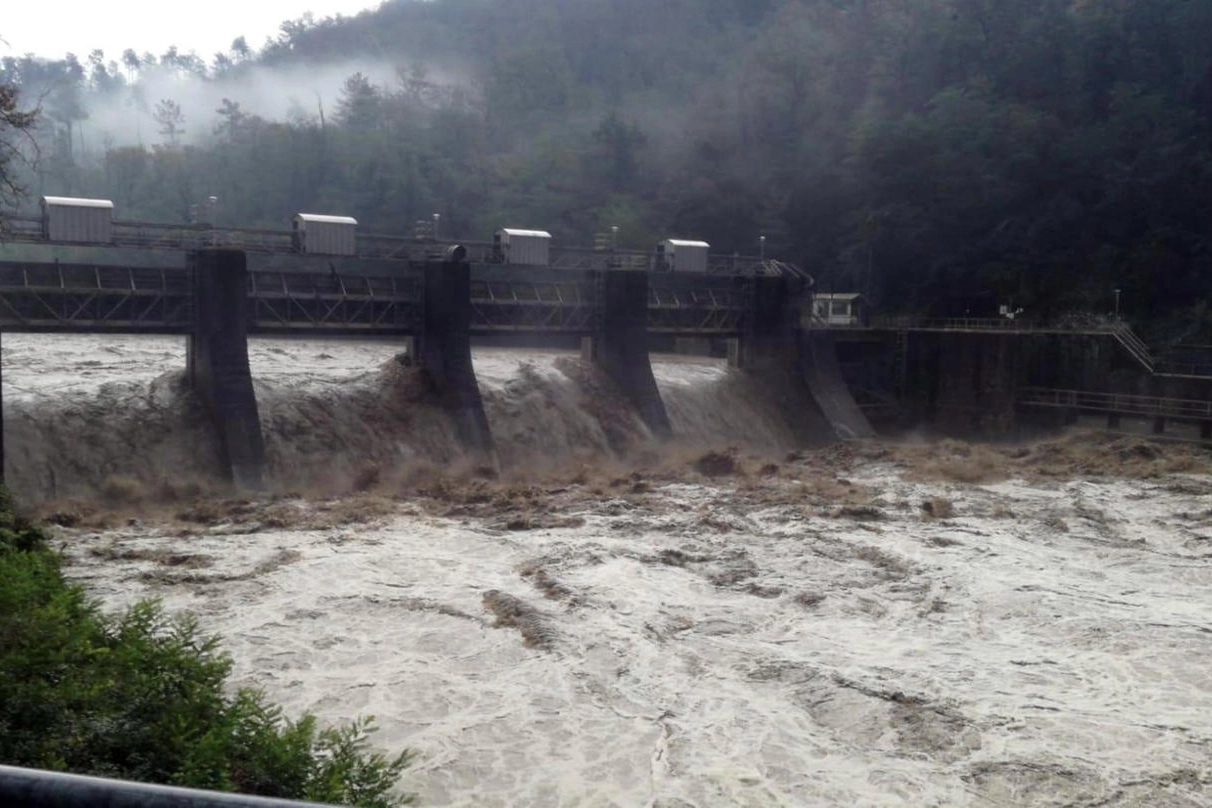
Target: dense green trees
(934, 153)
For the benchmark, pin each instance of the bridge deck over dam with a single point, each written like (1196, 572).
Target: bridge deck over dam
(262, 244)
(357, 298)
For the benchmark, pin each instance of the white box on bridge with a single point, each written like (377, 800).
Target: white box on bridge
(681, 255)
(66, 218)
(324, 235)
(530, 247)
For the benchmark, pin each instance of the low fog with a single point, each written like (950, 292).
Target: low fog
(126, 116)
(271, 93)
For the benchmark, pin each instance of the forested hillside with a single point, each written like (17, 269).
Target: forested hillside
(928, 152)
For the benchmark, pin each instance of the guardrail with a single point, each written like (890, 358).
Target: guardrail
(916, 323)
(386, 246)
(33, 788)
(1194, 370)
(1122, 403)
(1192, 365)
(1118, 330)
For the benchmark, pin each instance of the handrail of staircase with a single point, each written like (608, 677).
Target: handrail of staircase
(1134, 345)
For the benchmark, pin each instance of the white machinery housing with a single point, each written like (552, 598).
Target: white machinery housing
(82, 220)
(680, 255)
(530, 247)
(839, 308)
(324, 235)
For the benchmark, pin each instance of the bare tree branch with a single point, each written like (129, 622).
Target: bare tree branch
(17, 142)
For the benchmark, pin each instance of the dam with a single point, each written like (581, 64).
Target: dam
(587, 603)
(833, 381)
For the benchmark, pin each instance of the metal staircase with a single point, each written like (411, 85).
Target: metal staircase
(1135, 347)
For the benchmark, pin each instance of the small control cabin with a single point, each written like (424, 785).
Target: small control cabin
(513, 246)
(681, 255)
(839, 308)
(65, 218)
(317, 234)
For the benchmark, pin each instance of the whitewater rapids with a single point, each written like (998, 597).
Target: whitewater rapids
(84, 410)
(861, 626)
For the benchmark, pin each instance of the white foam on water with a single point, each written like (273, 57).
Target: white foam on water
(711, 650)
(721, 642)
(84, 408)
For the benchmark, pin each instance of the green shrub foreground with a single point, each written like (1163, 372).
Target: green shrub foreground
(142, 697)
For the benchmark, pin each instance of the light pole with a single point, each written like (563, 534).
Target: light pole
(1117, 304)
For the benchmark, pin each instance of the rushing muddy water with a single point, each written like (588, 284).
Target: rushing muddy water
(607, 624)
(83, 409)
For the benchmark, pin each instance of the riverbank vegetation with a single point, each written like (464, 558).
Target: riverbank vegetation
(144, 696)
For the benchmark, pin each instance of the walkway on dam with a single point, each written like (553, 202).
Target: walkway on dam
(1116, 405)
(151, 236)
(1117, 330)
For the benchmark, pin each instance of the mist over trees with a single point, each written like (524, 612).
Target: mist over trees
(15, 124)
(930, 153)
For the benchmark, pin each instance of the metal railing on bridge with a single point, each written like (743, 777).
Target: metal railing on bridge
(1002, 324)
(384, 246)
(34, 788)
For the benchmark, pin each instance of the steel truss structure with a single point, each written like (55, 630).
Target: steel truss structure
(86, 297)
(298, 301)
(709, 311)
(499, 305)
(82, 297)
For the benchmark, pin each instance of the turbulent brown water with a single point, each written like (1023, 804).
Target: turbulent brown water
(84, 412)
(609, 625)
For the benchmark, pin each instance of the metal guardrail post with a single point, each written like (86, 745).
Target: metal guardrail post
(34, 788)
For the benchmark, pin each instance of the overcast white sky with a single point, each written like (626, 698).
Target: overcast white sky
(53, 28)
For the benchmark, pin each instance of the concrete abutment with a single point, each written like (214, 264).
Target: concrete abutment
(800, 365)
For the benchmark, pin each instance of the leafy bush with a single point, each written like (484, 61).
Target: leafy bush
(16, 533)
(142, 697)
